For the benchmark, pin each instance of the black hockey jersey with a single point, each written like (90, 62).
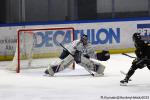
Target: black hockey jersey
(142, 45)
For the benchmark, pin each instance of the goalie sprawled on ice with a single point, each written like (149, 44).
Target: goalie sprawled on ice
(79, 51)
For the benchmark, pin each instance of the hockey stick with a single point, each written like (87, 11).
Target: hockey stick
(136, 57)
(65, 48)
(128, 55)
(73, 56)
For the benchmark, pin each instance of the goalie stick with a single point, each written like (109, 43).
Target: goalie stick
(73, 56)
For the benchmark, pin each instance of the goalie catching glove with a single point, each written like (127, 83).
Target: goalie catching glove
(103, 56)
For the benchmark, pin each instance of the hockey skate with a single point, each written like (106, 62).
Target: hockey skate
(49, 71)
(124, 82)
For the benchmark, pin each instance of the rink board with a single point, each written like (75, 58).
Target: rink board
(115, 35)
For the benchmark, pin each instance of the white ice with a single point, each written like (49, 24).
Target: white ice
(74, 84)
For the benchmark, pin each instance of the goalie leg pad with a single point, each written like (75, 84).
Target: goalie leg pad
(52, 67)
(92, 65)
(66, 62)
(86, 63)
(100, 69)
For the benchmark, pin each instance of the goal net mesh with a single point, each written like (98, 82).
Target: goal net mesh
(39, 43)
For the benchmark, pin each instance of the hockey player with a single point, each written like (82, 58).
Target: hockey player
(79, 51)
(142, 52)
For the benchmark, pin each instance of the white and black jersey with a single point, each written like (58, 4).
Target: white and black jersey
(78, 45)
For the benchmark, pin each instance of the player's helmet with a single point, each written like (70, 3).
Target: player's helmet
(136, 37)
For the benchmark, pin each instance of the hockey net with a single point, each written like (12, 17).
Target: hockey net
(39, 43)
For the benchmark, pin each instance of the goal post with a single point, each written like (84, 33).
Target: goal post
(39, 43)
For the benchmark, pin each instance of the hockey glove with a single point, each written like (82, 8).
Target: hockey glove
(103, 56)
(77, 56)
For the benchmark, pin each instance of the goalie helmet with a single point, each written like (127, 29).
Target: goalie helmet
(84, 39)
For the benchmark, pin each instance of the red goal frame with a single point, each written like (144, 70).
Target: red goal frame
(35, 29)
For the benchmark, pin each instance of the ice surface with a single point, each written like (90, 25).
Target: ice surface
(74, 84)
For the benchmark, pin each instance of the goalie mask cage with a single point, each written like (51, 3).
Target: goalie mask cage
(39, 43)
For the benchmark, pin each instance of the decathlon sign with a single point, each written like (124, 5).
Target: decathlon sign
(101, 36)
(50, 38)
(95, 36)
